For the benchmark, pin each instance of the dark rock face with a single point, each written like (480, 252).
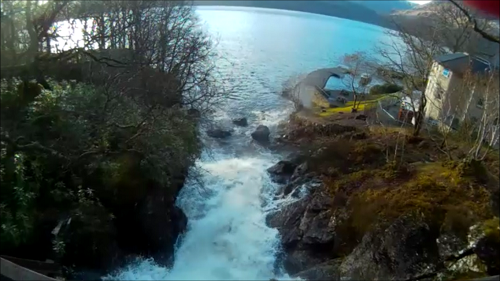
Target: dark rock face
(162, 224)
(282, 171)
(261, 134)
(313, 239)
(325, 271)
(218, 133)
(150, 223)
(488, 251)
(296, 158)
(282, 168)
(304, 229)
(405, 250)
(450, 244)
(243, 122)
(300, 171)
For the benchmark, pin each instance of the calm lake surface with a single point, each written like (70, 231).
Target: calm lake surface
(227, 238)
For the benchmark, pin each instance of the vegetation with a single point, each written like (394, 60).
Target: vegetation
(91, 133)
(378, 174)
(386, 88)
(411, 49)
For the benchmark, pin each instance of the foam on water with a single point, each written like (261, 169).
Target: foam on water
(227, 237)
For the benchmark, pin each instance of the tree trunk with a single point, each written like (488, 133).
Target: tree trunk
(419, 116)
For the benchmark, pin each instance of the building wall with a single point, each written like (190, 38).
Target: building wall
(446, 99)
(437, 86)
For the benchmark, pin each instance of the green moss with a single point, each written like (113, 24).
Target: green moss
(363, 153)
(458, 220)
(491, 229)
(437, 196)
(469, 275)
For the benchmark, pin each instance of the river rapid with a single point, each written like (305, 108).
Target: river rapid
(227, 237)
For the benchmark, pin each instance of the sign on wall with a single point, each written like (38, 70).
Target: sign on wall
(446, 72)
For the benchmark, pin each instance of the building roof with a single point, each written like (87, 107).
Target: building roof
(460, 62)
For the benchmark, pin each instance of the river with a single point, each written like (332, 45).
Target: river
(227, 238)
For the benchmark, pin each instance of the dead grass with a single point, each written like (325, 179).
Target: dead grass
(443, 195)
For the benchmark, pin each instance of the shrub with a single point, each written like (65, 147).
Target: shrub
(386, 88)
(76, 150)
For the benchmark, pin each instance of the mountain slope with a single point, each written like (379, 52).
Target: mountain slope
(342, 9)
(387, 7)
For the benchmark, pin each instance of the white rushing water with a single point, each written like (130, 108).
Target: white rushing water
(227, 237)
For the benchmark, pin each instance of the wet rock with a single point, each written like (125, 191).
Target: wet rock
(403, 251)
(488, 251)
(286, 220)
(325, 271)
(300, 170)
(298, 185)
(242, 122)
(282, 171)
(296, 158)
(218, 133)
(300, 260)
(283, 167)
(450, 244)
(486, 240)
(261, 134)
(306, 237)
(162, 223)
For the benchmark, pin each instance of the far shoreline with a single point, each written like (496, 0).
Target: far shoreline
(234, 5)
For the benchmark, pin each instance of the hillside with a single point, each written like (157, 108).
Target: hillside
(428, 16)
(387, 7)
(342, 9)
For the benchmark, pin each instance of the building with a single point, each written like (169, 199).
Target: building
(446, 91)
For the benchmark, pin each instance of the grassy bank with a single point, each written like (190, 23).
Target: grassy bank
(369, 102)
(376, 175)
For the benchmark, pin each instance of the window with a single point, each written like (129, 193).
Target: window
(446, 72)
(439, 94)
(480, 103)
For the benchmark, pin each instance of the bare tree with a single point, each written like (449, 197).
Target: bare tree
(412, 57)
(358, 65)
(488, 128)
(475, 24)
(142, 36)
(413, 47)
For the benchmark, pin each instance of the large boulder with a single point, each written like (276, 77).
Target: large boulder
(242, 122)
(300, 170)
(281, 171)
(405, 250)
(486, 240)
(488, 251)
(306, 236)
(150, 226)
(261, 134)
(218, 133)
